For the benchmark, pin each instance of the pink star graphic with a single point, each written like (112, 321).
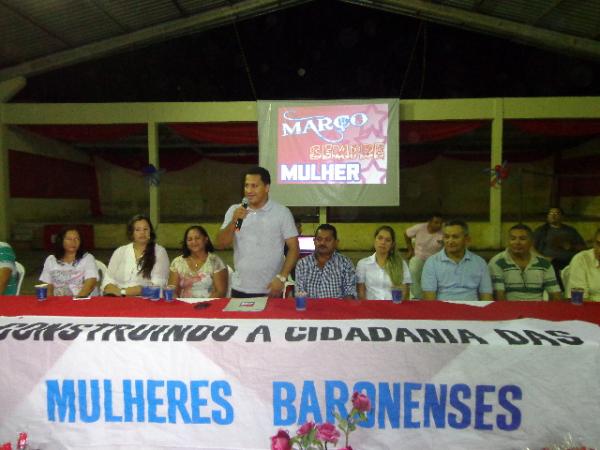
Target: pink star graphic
(379, 126)
(373, 171)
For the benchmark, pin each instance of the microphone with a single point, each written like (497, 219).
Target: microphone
(238, 223)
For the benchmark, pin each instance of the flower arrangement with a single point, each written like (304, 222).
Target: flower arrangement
(311, 436)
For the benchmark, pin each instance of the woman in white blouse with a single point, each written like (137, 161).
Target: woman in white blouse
(383, 269)
(198, 272)
(140, 263)
(70, 270)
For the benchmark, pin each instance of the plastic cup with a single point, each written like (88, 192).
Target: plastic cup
(169, 293)
(577, 296)
(397, 294)
(300, 301)
(41, 292)
(154, 293)
(146, 291)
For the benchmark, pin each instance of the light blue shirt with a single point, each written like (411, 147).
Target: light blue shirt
(464, 280)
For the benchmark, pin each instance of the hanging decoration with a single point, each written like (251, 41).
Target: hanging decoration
(499, 173)
(152, 174)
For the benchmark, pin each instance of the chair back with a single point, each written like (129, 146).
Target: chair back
(229, 276)
(564, 275)
(21, 274)
(101, 272)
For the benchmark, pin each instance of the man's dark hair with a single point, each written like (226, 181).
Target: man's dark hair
(458, 223)
(264, 174)
(327, 227)
(522, 226)
(556, 207)
(436, 214)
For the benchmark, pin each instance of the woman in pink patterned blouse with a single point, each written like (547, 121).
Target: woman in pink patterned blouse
(198, 272)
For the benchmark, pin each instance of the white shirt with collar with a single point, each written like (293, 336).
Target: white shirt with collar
(376, 280)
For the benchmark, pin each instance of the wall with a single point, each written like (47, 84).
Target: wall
(45, 210)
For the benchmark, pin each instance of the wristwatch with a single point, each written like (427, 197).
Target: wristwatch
(123, 292)
(281, 278)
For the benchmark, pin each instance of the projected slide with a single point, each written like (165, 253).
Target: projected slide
(331, 152)
(331, 144)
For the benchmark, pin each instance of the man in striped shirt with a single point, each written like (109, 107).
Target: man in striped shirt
(517, 274)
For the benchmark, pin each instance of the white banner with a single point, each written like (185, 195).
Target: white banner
(119, 383)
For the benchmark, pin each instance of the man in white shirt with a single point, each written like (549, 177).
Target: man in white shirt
(584, 272)
(260, 268)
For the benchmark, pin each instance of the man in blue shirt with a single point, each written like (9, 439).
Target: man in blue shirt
(455, 273)
(326, 273)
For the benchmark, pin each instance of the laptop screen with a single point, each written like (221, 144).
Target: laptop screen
(307, 244)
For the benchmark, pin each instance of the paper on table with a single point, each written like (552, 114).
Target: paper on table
(478, 303)
(195, 299)
(253, 304)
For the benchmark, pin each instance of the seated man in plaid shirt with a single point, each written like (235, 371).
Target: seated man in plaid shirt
(326, 273)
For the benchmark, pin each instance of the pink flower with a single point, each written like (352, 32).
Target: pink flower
(328, 432)
(345, 448)
(281, 441)
(305, 429)
(361, 402)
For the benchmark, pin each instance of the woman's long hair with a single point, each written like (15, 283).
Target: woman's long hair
(59, 249)
(209, 245)
(393, 264)
(148, 259)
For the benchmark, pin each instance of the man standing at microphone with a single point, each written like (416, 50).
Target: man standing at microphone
(263, 227)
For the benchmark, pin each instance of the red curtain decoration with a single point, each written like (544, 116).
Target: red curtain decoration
(246, 133)
(171, 160)
(226, 133)
(436, 130)
(87, 133)
(36, 176)
(579, 176)
(558, 127)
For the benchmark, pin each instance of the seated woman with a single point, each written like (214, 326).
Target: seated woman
(383, 269)
(142, 262)
(70, 270)
(8, 271)
(198, 272)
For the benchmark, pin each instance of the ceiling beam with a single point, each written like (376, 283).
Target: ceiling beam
(554, 4)
(188, 25)
(34, 23)
(526, 34)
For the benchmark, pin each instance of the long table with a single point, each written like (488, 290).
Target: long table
(121, 373)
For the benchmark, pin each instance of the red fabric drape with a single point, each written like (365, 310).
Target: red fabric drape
(579, 176)
(436, 130)
(86, 133)
(246, 133)
(36, 176)
(227, 133)
(170, 160)
(558, 127)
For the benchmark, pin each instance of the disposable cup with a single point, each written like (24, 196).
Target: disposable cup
(397, 294)
(154, 293)
(300, 301)
(41, 292)
(169, 293)
(577, 296)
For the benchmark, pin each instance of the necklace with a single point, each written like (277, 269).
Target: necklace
(196, 264)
